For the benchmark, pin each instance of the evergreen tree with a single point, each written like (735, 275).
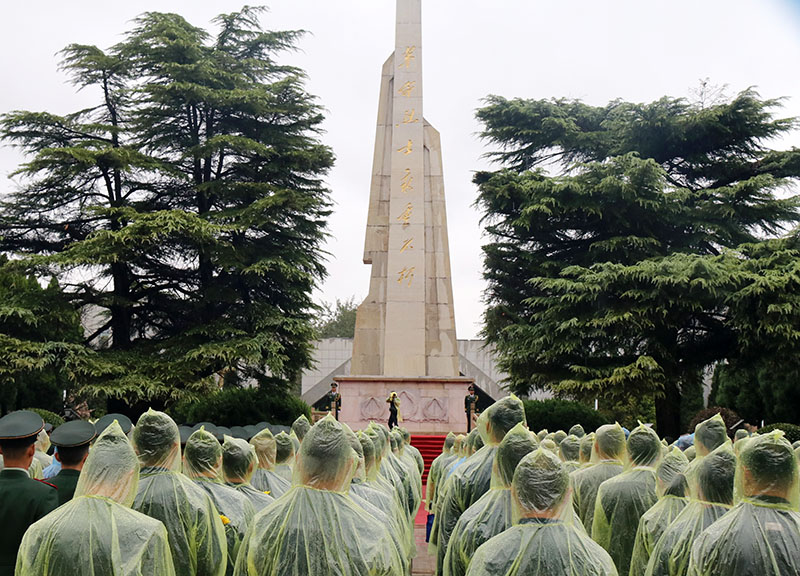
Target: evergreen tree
(188, 205)
(616, 239)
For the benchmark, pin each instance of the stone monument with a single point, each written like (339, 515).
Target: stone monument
(405, 336)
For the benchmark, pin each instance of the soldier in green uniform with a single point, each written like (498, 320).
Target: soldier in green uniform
(72, 439)
(333, 400)
(23, 500)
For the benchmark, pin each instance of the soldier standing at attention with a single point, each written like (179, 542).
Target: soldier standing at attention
(334, 400)
(470, 405)
(23, 500)
(72, 439)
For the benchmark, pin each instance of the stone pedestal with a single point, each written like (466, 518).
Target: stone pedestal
(428, 404)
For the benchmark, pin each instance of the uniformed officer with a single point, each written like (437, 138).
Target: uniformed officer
(333, 400)
(72, 440)
(23, 500)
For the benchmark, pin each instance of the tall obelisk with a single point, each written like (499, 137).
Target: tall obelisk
(406, 325)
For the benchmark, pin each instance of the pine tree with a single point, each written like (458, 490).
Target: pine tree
(188, 205)
(616, 234)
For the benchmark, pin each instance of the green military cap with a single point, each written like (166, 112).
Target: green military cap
(240, 432)
(20, 424)
(104, 422)
(73, 434)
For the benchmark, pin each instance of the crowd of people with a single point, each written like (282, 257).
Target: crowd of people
(502, 500)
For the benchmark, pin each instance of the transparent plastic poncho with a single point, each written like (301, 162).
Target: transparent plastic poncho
(670, 556)
(300, 427)
(472, 478)
(671, 490)
(491, 514)
(195, 529)
(760, 536)
(97, 532)
(577, 431)
(586, 446)
(412, 450)
(373, 502)
(608, 453)
(42, 446)
(265, 477)
(410, 469)
(435, 472)
(238, 466)
(569, 450)
(202, 462)
(285, 450)
(622, 500)
(708, 436)
(316, 528)
(543, 539)
(392, 469)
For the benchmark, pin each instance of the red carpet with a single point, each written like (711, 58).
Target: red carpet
(430, 447)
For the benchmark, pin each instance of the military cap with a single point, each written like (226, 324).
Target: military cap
(240, 432)
(48, 427)
(185, 432)
(251, 430)
(20, 424)
(104, 422)
(207, 425)
(224, 431)
(73, 434)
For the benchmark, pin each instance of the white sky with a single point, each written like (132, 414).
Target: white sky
(596, 50)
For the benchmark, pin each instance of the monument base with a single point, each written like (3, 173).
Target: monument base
(428, 404)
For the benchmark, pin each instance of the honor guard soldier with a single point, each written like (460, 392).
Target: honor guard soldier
(23, 500)
(333, 400)
(72, 440)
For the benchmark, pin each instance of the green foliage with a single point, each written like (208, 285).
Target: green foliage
(41, 350)
(792, 431)
(48, 417)
(187, 206)
(241, 406)
(759, 390)
(555, 414)
(630, 411)
(338, 320)
(637, 257)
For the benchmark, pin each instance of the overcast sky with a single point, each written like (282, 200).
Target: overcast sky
(596, 50)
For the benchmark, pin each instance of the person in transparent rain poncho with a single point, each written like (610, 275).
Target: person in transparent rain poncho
(412, 451)
(623, 499)
(760, 536)
(608, 452)
(42, 446)
(316, 529)
(569, 450)
(472, 478)
(671, 490)
(238, 466)
(265, 477)
(300, 427)
(715, 475)
(411, 471)
(437, 468)
(202, 463)
(392, 469)
(543, 540)
(586, 447)
(196, 532)
(369, 499)
(96, 532)
(577, 431)
(285, 451)
(491, 514)
(708, 436)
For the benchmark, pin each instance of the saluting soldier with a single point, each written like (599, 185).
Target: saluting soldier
(72, 440)
(23, 500)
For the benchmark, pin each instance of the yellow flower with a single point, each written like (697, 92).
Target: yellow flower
(266, 491)
(225, 520)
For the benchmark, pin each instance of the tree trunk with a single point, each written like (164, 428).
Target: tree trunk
(668, 412)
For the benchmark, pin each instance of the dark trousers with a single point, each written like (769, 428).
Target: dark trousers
(469, 422)
(392, 419)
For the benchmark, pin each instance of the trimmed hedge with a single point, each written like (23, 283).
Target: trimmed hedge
(792, 431)
(557, 414)
(48, 417)
(241, 406)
